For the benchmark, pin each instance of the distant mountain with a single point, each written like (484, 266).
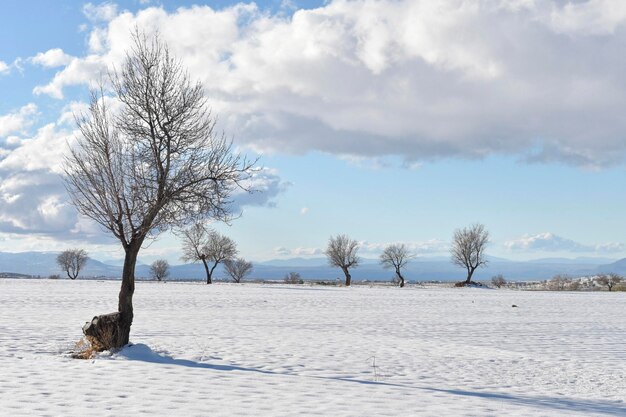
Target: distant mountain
(437, 268)
(619, 267)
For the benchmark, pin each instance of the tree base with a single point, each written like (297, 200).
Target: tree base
(103, 332)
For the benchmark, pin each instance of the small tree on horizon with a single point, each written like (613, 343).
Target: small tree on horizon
(71, 261)
(498, 281)
(342, 253)
(293, 278)
(396, 256)
(609, 280)
(468, 248)
(237, 269)
(559, 282)
(202, 244)
(160, 269)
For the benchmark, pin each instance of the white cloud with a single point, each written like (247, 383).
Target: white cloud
(304, 210)
(368, 249)
(432, 246)
(550, 242)
(43, 151)
(260, 190)
(298, 252)
(35, 202)
(102, 12)
(52, 58)
(33, 199)
(4, 68)
(19, 121)
(421, 79)
(70, 110)
(599, 17)
(78, 71)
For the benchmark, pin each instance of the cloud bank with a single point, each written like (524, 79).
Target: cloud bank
(422, 79)
(548, 242)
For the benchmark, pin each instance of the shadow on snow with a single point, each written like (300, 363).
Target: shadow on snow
(143, 353)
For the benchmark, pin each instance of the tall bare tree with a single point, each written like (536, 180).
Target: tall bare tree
(609, 280)
(237, 269)
(396, 256)
(201, 244)
(153, 164)
(468, 248)
(71, 261)
(160, 269)
(342, 253)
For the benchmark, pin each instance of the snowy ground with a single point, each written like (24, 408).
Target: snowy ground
(275, 350)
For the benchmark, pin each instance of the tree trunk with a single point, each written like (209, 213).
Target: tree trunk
(348, 277)
(211, 272)
(112, 331)
(125, 304)
(400, 277)
(208, 273)
(470, 272)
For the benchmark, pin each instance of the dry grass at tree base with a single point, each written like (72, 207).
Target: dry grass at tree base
(83, 350)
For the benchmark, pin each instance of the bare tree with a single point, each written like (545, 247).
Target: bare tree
(71, 261)
(293, 278)
(237, 269)
(154, 164)
(609, 280)
(498, 280)
(468, 248)
(396, 256)
(160, 269)
(201, 244)
(342, 252)
(559, 282)
(574, 285)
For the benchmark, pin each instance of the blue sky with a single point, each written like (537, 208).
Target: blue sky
(390, 121)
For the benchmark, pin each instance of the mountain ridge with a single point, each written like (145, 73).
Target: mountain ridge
(43, 264)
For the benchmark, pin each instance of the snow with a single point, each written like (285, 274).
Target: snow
(278, 350)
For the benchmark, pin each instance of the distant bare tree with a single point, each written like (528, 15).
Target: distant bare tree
(498, 280)
(71, 261)
(609, 280)
(468, 248)
(574, 285)
(201, 244)
(160, 269)
(237, 269)
(396, 256)
(342, 252)
(152, 164)
(293, 278)
(559, 282)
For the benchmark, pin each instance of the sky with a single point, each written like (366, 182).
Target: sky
(390, 121)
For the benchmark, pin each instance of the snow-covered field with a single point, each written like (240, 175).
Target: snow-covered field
(276, 350)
